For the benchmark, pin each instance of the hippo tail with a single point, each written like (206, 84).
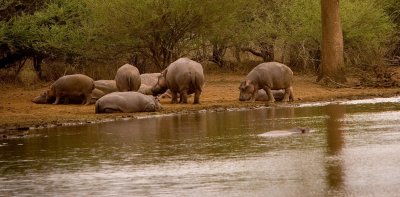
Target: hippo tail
(197, 80)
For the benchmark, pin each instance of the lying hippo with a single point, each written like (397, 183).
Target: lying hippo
(102, 87)
(106, 86)
(127, 78)
(148, 80)
(184, 76)
(262, 95)
(71, 86)
(268, 76)
(282, 133)
(127, 102)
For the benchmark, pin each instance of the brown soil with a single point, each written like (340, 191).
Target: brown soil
(17, 112)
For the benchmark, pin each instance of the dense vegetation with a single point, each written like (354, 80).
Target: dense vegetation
(99, 35)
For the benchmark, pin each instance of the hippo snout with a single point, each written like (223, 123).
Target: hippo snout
(244, 97)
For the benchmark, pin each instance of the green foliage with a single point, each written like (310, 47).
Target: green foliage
(54, 31)
(368, 32)
(365, 24)
(162, 30)
(156, 32)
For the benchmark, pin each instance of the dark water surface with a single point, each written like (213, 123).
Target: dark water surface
(354, 150)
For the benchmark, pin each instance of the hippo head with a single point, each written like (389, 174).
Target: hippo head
(161, 85)
(41, 99)
(246, 90)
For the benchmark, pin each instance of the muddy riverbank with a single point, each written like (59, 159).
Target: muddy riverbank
(18, 114)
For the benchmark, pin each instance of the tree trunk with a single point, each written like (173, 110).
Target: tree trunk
(217, 54)
(37, 65)
(332, 61)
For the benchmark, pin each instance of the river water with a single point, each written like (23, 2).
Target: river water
(353, 150)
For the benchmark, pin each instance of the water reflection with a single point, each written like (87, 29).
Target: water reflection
(213, 154)
(335, 142)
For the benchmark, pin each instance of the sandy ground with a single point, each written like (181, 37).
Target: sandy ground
(18, 113)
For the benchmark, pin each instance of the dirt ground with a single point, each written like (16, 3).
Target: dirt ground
(220, 92)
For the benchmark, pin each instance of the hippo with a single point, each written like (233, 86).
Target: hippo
(262, 95)
(184, 76)
(127, 102)
(148, 80)
(127, 78)
(71, 86)
(102, 87)
(282, 133)
(268, 76)
(44, 99)
(106, 86)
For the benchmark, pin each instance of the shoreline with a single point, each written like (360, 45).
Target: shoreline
(19, 115)
(17, 129)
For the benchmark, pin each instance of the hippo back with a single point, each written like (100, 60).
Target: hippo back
(149, 79)
(74, 82)
(73, 85)
(106, 86)
(185, 73)
(272, 74)
(127, 78)
(126, 102)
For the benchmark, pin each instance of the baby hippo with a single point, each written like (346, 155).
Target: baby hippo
(263, 96)
(268, 76)
(127, 102)
(71, 86)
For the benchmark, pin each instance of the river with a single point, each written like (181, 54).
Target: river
(352, 150)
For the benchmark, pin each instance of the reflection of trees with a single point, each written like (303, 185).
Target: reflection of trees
(334, 168)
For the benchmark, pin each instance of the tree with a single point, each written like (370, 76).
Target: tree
(332, 61)
(53, 29)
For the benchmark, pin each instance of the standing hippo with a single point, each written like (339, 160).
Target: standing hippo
(184, 76)
(268, 76)
(71, 86)
(127, 102)
(44, 99)
(101, 88)
(127, 78)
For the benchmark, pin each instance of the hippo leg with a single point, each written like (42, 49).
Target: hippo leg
(86, 99)
(174, 97)
(183, 96)
(291, 97)
(288, 96)
(58, 98)
(254, 95)
(197, 97)
(270, 95)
